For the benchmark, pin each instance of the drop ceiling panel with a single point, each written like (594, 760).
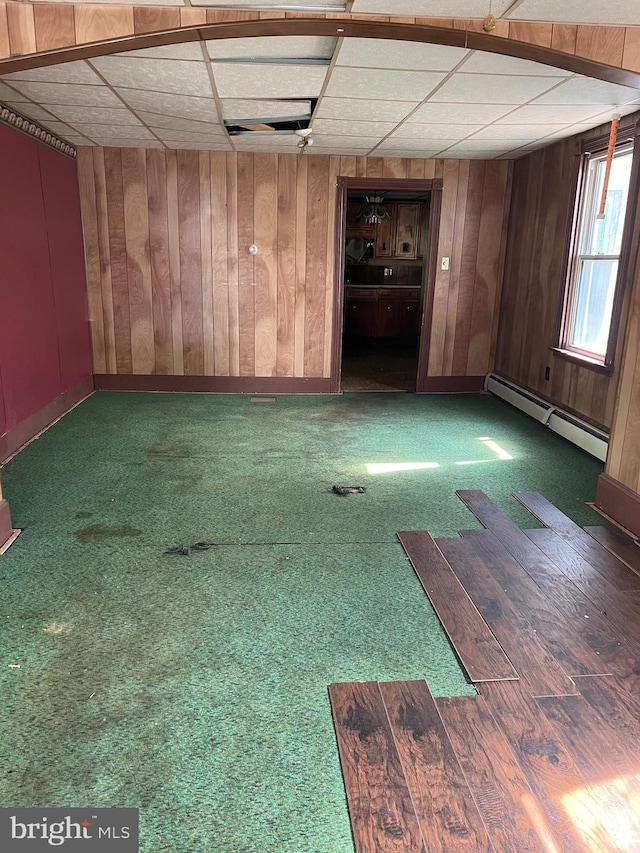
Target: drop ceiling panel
(187, 50)
(95, 115)
(415, 144)
(234, 109)
(182, 125)
(59, 128)
(345, 127)
(481, 62)
(434, 131)
(583, 90)
(336, 152)
(72, 94)
(176, 76)
(431, 8)
(478, 88)
(167, 135)
(123, 132)
(459, 113)
(383, 85)
(517, 131)
(266, 142)
(384, 53)
(69, 72)
(177, 105)
(214, 145)
(124, 142)
(364, 110)
(273, 47)
(345, 142)
(551, 114)
(579, 11)
(234, 80)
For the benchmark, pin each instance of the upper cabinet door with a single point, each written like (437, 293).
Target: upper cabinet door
(358, 227)
(385, 233)
(408, 230)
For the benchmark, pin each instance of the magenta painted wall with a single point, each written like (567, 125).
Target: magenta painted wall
(44, 328)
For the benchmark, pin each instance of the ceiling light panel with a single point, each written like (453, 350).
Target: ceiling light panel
(68, 72)
(579, 11)
(270, 80)
(63, 93)
(432, 8)
(383, 85)
(480, 89)
(364, 110)
(176, 76)
(273, 48)
(203, 109)
(482, 62)
(584, 90)
(402, 55)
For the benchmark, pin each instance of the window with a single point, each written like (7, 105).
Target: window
(590, 299)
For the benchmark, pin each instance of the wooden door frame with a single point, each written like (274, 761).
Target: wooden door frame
(344, 184)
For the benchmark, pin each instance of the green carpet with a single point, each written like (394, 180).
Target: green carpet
(195, 687)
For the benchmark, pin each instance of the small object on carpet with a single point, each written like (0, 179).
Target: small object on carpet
(203, 546)
(179, 549)
(349, 490)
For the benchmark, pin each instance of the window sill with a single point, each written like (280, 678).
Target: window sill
(583, 361)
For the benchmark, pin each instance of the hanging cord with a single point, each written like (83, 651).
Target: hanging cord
(607, 172)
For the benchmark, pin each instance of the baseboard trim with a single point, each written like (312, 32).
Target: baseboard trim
(450, 385)
(6, 528)
(619, 502)
(36, 423)
(213, 384)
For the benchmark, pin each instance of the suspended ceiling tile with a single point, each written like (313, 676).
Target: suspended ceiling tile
(383, 53)
(482, 62)
(579, 11)
(190, 51)
(234, 109)
(167, 135)
(180, 124)
(584, 90)
(480, 89)
(177, 105)
(95, 115)
(345, 142)
(68, 93)
(118, 142)
(233, 80)
(58, 127)
(538, 113)
(68, 72)
(272, 143)
(468, 146)
(364, 110)
(123, 132)
(431, 8)
(345, 127)
(335, 152)
(459, 113)
(517, 131)
(434, 131)
(424, 153)
(32, 111)
(7, 93)
(387, 85)
(79, 141)
(273, 47)
(176, 76)
(416, 144)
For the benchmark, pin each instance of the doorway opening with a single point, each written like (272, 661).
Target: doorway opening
(384, 271)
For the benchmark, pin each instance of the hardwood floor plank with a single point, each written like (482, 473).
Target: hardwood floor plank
(608, 697)
(623, 547)
(559, 633)
(538, 669)
(497, 783)
(382, 814)
(481, 654)
(546, 762)
(602, 560)
(447, 813)
(604, 761)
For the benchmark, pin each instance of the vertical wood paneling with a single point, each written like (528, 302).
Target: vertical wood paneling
(99, 23)
(149, 19)
(54, 26)
(564, 37)
(21, 28)
(287, 210)
(136, 220)
(533, 33)
(603, 44)
(631, 52)
(5, 50)
(118, 253)
(87, 186)
(265, 228)
(220, 269)
(173, 287)
(160, 262)
(190, 261)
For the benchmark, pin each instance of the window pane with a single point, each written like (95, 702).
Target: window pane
(604, 236)
(593, 304)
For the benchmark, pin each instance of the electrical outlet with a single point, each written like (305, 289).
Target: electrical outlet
(547, 373)
(444, 265)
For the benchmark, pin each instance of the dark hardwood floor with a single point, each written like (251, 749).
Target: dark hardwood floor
(546, 756)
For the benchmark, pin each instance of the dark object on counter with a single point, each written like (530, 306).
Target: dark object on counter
(348, 490)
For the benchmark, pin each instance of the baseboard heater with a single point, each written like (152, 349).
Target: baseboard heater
(584, 435)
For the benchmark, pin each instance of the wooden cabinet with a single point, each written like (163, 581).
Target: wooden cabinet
(382, 312)
(408, 230)
(358, 227)
(385, 234)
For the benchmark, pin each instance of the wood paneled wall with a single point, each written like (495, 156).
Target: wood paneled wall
(26, 28)
(542, 207)
(173, 289)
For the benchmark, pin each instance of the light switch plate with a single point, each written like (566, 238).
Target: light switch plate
(444, 265)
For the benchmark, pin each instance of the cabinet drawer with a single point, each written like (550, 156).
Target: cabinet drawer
(361, 293)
